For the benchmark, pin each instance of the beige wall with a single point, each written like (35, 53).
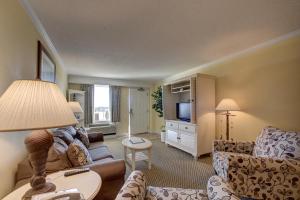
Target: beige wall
(18, 60)
(266, 85)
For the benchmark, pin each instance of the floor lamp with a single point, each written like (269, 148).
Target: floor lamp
(227, 105)
(35, 105)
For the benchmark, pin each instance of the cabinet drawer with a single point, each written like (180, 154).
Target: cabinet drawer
(187, 128)
(172, 125)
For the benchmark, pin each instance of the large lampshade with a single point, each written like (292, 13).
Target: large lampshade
(75, 106)
(33, 105)
(228, 105)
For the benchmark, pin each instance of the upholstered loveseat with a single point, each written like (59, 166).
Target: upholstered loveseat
(266, 169)
(135, 188)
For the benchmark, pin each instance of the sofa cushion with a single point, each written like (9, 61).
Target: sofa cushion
(78, 154)
(95, 137)
(63, 134)
(218, 189)
(273, 142)
(70, 129)
(82, 135)
(57, 156)
(24, 171)
(100, 152)
(221, 163)
(167, 193)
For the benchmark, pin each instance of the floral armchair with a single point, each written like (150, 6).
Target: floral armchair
(266, 169)
(135, 189)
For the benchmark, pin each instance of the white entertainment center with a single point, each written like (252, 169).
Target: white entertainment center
(192, 129)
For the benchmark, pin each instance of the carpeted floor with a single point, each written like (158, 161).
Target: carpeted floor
(171, 167)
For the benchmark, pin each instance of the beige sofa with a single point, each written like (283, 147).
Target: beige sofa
(111, 170)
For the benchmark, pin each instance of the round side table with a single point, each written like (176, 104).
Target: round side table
(137, 151)
(88, 183)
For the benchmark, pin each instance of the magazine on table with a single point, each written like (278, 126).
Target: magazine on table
(136, 140)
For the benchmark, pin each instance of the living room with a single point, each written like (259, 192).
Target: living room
(169, 96)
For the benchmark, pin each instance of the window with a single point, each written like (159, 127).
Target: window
(101, 104)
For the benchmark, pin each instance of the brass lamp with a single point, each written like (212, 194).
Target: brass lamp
(35, 105)
(227, 105)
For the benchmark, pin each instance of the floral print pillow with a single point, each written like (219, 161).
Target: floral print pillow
(276, 143)
(78, 154)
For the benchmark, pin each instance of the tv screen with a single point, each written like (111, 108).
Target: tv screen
(183, 111)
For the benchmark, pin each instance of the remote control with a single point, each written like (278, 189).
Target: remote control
(76, 171)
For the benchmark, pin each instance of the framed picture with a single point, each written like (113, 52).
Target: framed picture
(46, 66)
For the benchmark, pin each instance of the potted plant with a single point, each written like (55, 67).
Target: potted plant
(158, 107)
(162, 134)
(157, 104)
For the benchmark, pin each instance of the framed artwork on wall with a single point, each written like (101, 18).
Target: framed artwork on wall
(46, 69)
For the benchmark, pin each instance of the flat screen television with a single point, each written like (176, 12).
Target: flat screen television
(183, 111)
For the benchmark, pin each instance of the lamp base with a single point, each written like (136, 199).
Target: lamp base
(37, 144)
(48, 187)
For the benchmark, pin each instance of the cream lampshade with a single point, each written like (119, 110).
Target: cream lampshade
(75, 106)
(35, 105)
(227, 105)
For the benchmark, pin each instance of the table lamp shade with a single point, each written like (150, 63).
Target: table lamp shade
(33, 105)
(228, 105)
(75, 106)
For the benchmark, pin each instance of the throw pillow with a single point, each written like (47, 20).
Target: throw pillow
(70, 129)
(63, 134)
(78, 154)
(57, 156)
(276, 143)
(82, 135)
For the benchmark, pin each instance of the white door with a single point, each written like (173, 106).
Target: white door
(138, 110)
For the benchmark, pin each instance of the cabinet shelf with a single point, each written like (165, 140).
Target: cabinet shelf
(180, 91)
(179, 87)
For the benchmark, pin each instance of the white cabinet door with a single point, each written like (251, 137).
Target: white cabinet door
(187, 141)
(172, 136)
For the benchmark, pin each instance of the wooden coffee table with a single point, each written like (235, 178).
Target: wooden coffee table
(137, 152)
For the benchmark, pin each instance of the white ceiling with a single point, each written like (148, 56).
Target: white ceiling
(153, 39)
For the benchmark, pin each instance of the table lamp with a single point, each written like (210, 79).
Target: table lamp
(76, 108)
(35, 105)
(227, 105)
